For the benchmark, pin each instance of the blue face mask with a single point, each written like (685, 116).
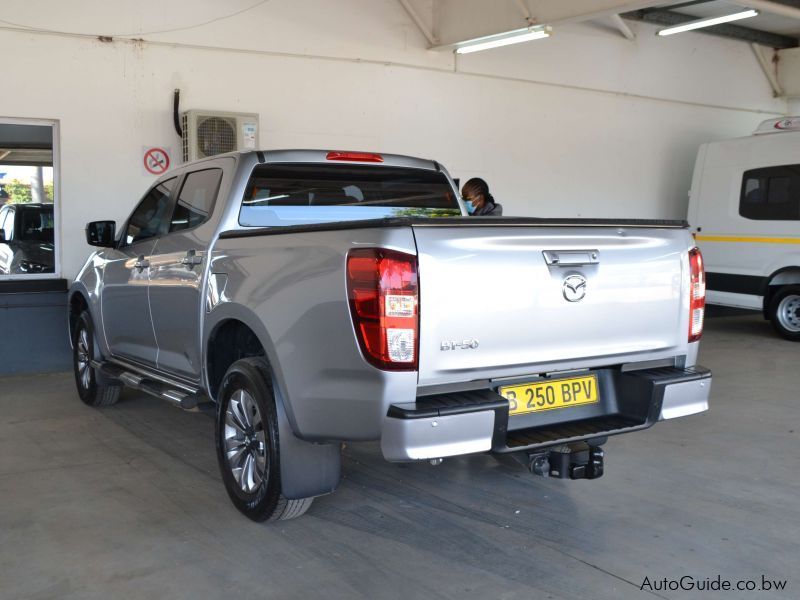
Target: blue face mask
(470, 206)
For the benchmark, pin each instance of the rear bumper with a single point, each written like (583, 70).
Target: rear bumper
(477, 421)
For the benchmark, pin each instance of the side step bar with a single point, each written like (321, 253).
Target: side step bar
(174, 394)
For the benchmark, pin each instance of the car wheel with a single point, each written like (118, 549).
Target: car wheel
(83, 351)
(784, 312)
(247, 444)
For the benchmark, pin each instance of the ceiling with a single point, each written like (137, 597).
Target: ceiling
(448, 22)
(773, 27)
(764, 21)
(26, 144)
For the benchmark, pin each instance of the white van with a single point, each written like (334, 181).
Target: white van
(744, 209)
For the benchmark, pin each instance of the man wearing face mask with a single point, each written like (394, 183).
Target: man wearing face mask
(480, 203)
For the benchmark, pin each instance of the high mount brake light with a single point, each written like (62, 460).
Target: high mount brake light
(697, 294)
(384, 302)
(355, 156)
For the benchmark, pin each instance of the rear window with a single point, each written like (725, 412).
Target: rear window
(36, 224)
(771, 194)
(297, 194)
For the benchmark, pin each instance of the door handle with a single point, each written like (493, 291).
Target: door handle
(571, 258)
(191, 259)
(142, 263)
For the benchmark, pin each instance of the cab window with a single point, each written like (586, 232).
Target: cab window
(150, 217)
(196, 199)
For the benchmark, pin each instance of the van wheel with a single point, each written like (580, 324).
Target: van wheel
(247, 444)
(784, 312)
(90, 390)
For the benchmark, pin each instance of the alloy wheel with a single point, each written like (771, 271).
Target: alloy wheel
(84, 358)
(245, 442)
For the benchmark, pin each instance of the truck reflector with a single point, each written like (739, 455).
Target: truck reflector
(382, 290)
(697, 294)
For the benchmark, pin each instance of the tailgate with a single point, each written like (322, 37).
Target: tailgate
(501, 301)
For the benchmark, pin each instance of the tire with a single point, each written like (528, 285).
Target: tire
(248, 448)
(784, 312)
(90, 390)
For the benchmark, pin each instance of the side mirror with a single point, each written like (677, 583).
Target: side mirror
(101, 233)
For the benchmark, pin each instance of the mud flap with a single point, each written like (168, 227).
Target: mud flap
(307, 469)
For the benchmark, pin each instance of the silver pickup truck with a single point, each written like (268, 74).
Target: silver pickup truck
(311, 298)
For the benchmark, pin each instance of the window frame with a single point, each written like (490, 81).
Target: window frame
(767, 173)
(55, 126)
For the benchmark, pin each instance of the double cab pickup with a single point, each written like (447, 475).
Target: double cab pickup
(311, 298)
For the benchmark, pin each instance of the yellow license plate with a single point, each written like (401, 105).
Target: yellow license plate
(550, 394)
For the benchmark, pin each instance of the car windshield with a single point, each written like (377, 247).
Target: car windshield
(36, 224)
(298, 194)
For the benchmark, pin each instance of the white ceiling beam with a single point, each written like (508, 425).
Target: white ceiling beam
(623, 27)
(525, 12)
(464, 20)
(412, 12)
(771, 74)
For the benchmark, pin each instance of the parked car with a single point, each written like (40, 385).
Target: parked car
(322, 297)
(26, 239)
(744, 208)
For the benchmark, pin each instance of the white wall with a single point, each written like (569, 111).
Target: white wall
(583, 124)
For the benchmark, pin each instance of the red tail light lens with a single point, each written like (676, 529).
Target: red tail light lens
(355, 156)
(384, 302)
(697, 294)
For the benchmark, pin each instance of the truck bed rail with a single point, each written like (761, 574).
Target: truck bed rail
(454, 222)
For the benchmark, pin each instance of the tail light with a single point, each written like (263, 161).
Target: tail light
(354, 156)
(384, 302)
(697, 294)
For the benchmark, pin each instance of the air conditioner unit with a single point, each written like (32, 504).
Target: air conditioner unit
(208, 132)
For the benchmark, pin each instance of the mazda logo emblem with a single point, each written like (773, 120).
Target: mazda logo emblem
(574, 288)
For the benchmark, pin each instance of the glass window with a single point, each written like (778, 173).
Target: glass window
(150, 217)
(295, 194)
(771, 194)
(28, 190)
(196, 199)
(35, 223)
(778, 190)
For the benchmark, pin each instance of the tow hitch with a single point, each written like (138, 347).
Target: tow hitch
(570, 461)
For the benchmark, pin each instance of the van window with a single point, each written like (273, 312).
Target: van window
(771, 194)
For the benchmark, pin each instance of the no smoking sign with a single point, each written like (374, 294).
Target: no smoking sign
(155, 160)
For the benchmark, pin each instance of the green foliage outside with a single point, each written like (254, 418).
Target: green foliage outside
(20, 192)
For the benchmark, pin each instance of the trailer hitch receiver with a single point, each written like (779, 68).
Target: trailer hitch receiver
(570, 461)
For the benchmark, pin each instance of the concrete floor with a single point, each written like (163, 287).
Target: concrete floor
(127, 502)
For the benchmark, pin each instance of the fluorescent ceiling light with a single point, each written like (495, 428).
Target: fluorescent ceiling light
(503, 39)
(746, 14)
